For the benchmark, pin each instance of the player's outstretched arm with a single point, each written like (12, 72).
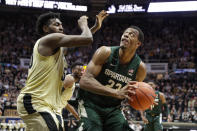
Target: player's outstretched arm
(71, 109)
(99, 19)
(49, 43)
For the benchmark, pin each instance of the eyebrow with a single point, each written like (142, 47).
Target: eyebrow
(132, 31)
(58, 22)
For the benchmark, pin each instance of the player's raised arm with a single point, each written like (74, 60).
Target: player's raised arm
(99, 19)
(49, 43)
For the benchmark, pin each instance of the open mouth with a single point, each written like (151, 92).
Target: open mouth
(125, 41)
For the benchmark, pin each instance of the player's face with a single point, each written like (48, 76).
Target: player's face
(78, 71)
(129, 39)
(55, 26)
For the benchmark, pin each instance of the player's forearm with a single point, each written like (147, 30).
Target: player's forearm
(94, 29)
(84, 39)
(72, 110)
(86, 32)
(90, 84)
(142, 114)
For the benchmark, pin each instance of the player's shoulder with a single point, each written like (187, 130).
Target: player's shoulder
(103, 50)
(142, 66)
(101, 54)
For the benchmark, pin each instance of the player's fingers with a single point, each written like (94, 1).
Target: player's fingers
(101, 13)
(84, 17)
(105, 15)
(130, 92)
(155, 103)
(131, 87)
(129, 98)
(132, 82)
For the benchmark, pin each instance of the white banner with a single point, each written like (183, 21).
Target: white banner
(24, 63)
(157, 67)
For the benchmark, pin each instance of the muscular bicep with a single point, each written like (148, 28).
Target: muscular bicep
(141, 73)
(93, 69)
(99, 58)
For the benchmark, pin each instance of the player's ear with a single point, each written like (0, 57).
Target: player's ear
(45, 29)
(139, 44)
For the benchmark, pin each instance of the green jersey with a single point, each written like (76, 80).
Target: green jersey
(157, 109)
(113, 75)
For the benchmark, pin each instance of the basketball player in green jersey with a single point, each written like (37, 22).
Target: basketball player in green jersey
(39, 101)
(108, 79)
(69, 87)
(153, 119)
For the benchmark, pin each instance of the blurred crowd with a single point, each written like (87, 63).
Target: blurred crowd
(170, 40)
(167, 40)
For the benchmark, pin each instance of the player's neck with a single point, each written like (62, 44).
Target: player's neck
(125, 56)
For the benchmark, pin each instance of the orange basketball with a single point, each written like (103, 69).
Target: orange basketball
(144, 96)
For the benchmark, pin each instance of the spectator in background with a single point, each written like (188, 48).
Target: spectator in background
(195, 104)
(191, 103)
(185, 116)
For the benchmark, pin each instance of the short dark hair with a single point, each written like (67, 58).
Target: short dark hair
(76, 64)
(43, 19)
(141, 34)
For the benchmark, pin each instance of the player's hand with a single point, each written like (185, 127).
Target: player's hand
(69, 81)
(145, 120)
(100, 17)
(127, 91)
(153, 105)
(83, 22)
